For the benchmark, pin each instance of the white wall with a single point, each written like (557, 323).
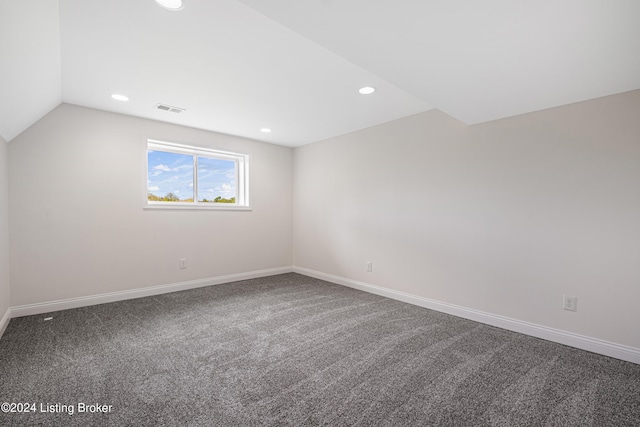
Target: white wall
(503, 217)
(31, 80)
(4, 234)
(77, 183)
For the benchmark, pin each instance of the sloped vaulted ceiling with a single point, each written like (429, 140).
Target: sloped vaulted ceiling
(295, 66)
(30, 74)
(480, 60)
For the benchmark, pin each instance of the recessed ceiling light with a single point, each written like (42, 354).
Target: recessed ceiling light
(171, 4)
(119, 97)
(265, 130)
(367, 90)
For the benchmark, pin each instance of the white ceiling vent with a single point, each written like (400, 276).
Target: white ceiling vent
(170, 108)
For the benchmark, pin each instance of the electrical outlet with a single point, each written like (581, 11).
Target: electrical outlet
(183, 263)
(570, 303)
(369, 266)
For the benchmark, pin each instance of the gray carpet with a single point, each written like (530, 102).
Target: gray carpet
(292, 350)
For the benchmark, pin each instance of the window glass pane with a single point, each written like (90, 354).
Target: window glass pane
(216, 180)
(169, 177)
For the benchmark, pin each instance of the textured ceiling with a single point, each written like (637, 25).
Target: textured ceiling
(295, 65)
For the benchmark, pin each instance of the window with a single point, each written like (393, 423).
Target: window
(181, 176)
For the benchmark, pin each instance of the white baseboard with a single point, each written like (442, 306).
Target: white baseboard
(630, 354)
(4, 322)
(50, 306)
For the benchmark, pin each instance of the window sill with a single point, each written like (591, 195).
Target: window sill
(190, 206)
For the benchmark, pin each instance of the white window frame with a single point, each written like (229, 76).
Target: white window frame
(242, 176)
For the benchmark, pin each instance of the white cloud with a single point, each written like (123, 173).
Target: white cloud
(154, 188)
(163, 168)
(226, 189)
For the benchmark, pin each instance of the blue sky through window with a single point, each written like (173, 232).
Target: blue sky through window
(170, 173)
(216, 178)
(173, 173)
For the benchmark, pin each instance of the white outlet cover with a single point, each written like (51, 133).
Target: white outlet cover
(570, 303)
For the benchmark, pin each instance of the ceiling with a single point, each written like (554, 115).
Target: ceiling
(295, 66)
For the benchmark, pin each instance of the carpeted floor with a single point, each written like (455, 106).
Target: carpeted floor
(295, 351)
